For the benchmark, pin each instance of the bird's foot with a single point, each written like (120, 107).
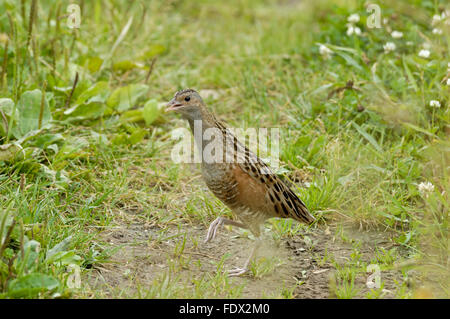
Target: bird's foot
(213, 229)
(237, 272)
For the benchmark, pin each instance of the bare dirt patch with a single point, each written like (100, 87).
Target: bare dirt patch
(317, 262)
(297, 267)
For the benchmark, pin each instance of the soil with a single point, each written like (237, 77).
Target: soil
(139, 261)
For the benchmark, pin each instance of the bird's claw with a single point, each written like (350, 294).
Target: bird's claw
(213, 229)
(237, 272)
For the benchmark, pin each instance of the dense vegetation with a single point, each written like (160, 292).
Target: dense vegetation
(363, 114)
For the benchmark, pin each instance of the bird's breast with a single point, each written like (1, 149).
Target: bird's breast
(235, 188)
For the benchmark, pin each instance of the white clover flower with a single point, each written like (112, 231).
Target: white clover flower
(434, 103)
(425, 188)
(448, 82)
(397, 34)
(353, 18)
(325, 52)
(437, 31)
(352, 29)
(389, 46)
(448, 67)
(436, 19)
(424, 53)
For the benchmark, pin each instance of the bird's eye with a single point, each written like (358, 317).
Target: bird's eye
(187, 98)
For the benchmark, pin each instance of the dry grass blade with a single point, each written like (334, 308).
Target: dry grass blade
(122, 36)
(5, 122)
(33, 13)
(150, 70)
(69, 98)
(5, 63)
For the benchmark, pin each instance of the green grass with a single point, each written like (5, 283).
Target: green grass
(88, 161)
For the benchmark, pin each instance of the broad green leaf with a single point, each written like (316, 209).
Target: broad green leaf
(30, 285)
(137, 136)
(29, 107)
(153, 51)
(61, 246)
(86, 111)
(403, 238)
(44, 140)
(151, 111)
(60, 89)
(94, 64)
(132, 116)
(50, 97)
(72, 148)
(9, 152)
(64, 258)
(97, 93)
(120, 139)
(126, 65)
(124, 98)
(9, 115)
(7, 106)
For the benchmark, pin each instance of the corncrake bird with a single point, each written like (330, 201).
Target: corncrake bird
(245, 183)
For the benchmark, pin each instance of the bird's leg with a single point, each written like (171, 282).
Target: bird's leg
(244, 269)
(219, 222)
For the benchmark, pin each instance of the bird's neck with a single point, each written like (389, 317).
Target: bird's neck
(199, 124)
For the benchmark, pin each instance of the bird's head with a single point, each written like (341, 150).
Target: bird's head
(186, 102)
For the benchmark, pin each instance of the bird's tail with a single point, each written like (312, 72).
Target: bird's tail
(301, 212)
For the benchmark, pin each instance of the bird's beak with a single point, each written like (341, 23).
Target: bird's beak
(172, 105)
